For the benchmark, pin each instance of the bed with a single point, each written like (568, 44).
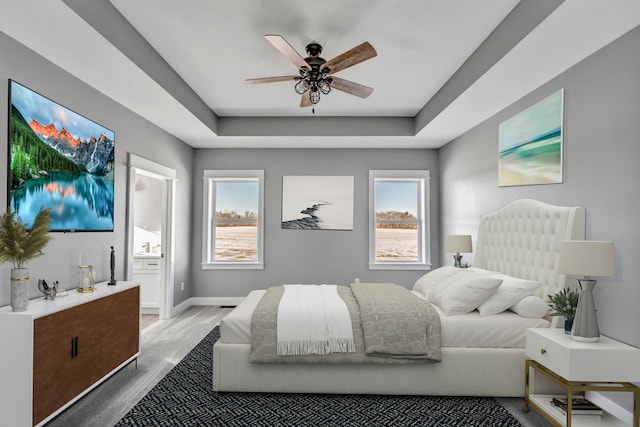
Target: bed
(519, 240)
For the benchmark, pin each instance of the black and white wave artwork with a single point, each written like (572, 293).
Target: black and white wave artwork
(317, 202)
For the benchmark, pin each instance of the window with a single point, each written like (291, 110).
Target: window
(233, 219)
(399, 220)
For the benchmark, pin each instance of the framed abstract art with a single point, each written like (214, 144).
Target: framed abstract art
(530, 144)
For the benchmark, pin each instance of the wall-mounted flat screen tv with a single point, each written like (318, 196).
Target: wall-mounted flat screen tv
(61, 160)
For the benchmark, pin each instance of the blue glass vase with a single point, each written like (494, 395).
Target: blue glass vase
(568, 324)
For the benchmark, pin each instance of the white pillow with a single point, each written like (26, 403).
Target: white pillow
(482, 271)
(532, 307)
(510, 292)
(463, 292)
(433, 278)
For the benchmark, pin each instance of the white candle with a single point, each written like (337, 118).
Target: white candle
(85, 282)
(80, 259)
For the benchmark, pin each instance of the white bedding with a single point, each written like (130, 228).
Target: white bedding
(504, 330)
(313, 319)
(235, 328)
(520, 239)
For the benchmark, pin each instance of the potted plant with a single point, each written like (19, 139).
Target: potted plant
(564, 303)
(17, 245)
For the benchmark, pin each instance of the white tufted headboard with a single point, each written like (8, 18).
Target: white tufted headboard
(522, 240)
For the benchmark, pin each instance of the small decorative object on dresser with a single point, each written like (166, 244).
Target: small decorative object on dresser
(564, 303)
(19, 245)
(586, 258)
(112, 263)
(49, 292)
(85, 279)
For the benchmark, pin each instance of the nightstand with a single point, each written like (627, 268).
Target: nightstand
(558, 362)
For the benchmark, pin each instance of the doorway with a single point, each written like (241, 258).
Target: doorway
(150, 234)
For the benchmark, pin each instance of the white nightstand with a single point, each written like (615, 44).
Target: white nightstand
(576, 367)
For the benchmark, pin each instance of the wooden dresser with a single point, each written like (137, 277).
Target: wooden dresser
(57, 351)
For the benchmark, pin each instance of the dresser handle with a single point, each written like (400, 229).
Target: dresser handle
(543, 351)
(74, 347)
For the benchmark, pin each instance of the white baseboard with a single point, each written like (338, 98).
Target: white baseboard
(149, 310)
(181, 307)
(198, 301)
(233, 301)
(622, 409)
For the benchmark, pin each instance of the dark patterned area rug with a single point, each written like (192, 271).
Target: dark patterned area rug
(185, 398)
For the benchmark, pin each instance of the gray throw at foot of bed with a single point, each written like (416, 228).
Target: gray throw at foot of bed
(388, 302)
(396, 323)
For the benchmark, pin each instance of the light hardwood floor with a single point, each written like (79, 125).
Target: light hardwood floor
(163, 344)
(147, 320)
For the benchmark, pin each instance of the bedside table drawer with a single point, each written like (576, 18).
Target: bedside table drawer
(548, 353)
(605, 360)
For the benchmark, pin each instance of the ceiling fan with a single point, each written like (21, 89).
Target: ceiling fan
(316, 75)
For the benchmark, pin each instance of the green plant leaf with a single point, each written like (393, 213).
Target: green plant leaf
(17, 245)
(563, 303)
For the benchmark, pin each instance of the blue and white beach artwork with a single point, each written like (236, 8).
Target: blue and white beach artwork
(531, 144)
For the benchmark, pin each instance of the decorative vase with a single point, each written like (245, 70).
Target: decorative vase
(568, 325)
(19, 289)
(585, 322)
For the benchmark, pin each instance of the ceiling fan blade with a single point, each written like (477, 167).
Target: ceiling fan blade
(351, 87)
(272, 79)
(305, 101)
(287, 50)
(351, 57)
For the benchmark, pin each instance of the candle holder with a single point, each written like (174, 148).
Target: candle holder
(86, 279)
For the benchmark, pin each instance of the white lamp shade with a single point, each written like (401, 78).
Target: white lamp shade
(458, 243)
(587, 258)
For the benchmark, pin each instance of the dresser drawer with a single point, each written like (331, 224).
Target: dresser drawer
(605, 360)
(146, 263)
(152, 264)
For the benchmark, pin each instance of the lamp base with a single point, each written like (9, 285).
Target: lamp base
(585, 323)
(585, 339)
(457, 260)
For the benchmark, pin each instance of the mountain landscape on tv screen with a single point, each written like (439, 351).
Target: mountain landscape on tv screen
(51, 167)
(94, 156)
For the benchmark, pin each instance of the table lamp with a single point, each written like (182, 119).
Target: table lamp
(586, 258)
(456, 243)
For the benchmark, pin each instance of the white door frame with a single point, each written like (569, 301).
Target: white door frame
(142, 166)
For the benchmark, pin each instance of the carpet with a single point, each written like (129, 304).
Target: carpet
(184, 397)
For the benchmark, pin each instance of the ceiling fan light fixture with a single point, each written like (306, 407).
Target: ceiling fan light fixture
(314, 95)
(324, 85)
(314, 71)
(301, 87)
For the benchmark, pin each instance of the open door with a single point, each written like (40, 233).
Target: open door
(150, 232)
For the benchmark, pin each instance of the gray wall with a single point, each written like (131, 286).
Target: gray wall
(601, 154)
(133, 134)
(307, 256)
